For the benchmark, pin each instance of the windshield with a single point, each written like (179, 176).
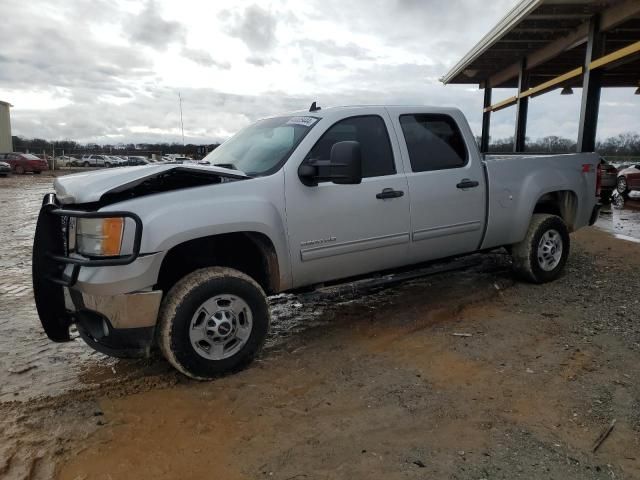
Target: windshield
(261, 148)
(30, 156)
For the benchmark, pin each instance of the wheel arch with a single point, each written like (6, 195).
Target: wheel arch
(250, 252)
(563, 203)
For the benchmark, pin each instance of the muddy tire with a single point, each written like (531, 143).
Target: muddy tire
(541, 256)
(213, 321)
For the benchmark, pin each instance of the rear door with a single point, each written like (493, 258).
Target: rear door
(338, 231)
(446, 182)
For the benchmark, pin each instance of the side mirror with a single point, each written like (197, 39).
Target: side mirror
(344, 166)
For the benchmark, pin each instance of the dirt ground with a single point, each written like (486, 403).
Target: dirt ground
(464, 375)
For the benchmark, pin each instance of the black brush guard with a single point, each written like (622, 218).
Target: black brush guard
(50, 258)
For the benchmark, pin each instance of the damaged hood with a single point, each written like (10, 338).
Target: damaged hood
(88, 187)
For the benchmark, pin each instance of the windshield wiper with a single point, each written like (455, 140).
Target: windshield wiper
(230, 166)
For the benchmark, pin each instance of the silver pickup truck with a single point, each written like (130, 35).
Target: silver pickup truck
(183, 256)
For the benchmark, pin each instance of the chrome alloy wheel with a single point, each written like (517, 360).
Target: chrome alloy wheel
(220, 327)
(549, 250)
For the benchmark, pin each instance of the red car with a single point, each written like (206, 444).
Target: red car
(24, 162)
(629, 180)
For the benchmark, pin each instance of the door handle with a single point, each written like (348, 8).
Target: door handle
(389, 193)
(466, 183)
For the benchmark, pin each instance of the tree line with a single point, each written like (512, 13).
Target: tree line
(622, 145)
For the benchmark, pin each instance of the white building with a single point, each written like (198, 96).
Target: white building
(6, 144)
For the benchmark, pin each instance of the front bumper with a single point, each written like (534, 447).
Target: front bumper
(116, 324)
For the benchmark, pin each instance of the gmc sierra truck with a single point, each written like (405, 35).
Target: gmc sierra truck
(182, 257)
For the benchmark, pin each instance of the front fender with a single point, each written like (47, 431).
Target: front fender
(254, 205)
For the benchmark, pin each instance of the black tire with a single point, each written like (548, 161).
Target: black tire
(37, 172)
(86, 164)
(183, 301)
(605, 196)
(526, 264)
(622, 187)
(107, 164)
(20, 170)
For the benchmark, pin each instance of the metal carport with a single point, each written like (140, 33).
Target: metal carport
(541, 45)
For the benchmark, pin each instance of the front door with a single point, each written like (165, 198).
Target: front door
(338, 231)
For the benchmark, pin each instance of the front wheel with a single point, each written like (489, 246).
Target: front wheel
(20, 170)
(86, 164)
(213, 321)
(108, 165)
(541, 256)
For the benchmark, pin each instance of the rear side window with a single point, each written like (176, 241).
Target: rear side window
(371, 132)
(434, 142)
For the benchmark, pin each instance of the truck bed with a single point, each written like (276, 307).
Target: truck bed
(516, 183)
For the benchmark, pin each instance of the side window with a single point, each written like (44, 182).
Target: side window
(434, 142)
(371, 132)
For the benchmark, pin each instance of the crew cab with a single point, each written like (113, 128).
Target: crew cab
(183, 256)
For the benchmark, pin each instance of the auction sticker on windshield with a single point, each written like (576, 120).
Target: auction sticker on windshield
(305, 121)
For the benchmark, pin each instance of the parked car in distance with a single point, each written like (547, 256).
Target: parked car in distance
(628, 180)
(24, 162)
(5, 169)
(64, 161)
(116, 161)
(93, 160)
(138, 160)
(608, 179)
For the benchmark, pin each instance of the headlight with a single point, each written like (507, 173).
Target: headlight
(99, 237)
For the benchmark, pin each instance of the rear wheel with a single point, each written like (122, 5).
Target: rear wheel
(107, 164)
(212, 322)
(86, 164)
(541, 256)
(622, 187)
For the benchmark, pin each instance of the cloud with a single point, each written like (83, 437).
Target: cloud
(51, 56)
(209, 116)
(115, 76)
(150, 29)
(334, 49)
(204, 58)
(255, 26)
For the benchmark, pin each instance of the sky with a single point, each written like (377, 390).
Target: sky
(110, 71)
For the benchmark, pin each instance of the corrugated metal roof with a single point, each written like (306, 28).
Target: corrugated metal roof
(551, 35)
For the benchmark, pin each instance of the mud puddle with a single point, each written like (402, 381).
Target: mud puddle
(623, 221)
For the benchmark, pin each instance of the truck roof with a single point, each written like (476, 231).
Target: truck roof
(355, 109)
